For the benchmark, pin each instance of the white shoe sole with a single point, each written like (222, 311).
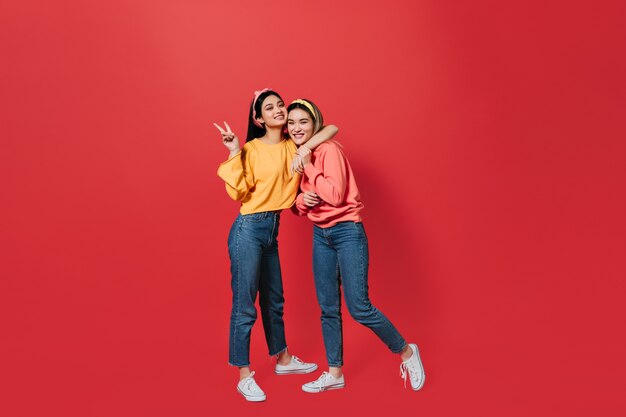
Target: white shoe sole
(419, 360)
(317, 390)
(296, 371)
(254, 399)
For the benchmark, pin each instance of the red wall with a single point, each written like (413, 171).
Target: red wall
(488, 142)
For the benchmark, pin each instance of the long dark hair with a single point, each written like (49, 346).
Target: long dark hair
(255, 131)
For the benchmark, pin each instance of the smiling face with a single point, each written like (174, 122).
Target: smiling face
(300, 126)
(273, 112)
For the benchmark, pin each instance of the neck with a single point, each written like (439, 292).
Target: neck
(273, 135)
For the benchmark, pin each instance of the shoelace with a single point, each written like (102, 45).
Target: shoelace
(404, 370)
(297, 360)
(321, 381)
(249, 381)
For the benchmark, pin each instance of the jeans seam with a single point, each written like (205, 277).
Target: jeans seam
(363, 292)
(237, 307)
(338, 278)
(269, 243)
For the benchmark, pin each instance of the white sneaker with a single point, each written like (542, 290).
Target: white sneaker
(250, 390)
(414, 368)
(325, 382)
(296, 366)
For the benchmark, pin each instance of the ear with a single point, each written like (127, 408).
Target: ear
(260, 120)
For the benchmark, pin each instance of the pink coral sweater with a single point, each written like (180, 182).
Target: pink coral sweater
(330, 176)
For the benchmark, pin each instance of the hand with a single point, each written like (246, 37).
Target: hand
(311, 199)
(229, 139)
(305, 155)
(296, 165)
(303, 150)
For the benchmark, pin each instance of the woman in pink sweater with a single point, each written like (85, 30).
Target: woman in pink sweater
(330, 198)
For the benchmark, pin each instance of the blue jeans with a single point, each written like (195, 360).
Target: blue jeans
(340, 255)
(255, 268)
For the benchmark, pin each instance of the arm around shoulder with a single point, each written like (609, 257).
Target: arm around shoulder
(325, 133)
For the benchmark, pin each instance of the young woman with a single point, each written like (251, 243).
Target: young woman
(330, 198)
(259, 176)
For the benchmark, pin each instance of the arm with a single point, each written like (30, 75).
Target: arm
(234, 170)
(237, 175)
(325, 133)
(330, 181)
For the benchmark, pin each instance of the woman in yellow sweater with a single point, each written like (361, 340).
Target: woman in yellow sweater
(260, 176)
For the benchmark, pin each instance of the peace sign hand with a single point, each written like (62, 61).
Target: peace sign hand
(229, 139)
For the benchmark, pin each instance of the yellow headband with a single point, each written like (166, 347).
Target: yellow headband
(305, 104)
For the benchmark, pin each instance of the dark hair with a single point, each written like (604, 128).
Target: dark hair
(316, 116)
(255, 131)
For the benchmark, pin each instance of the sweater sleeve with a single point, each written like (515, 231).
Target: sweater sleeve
(237, 175)
(330, 180)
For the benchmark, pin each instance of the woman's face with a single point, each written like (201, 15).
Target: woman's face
(300, 126)
(273, 112)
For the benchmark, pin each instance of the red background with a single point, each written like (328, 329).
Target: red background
(488, 141)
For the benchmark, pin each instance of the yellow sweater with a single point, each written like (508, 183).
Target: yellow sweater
(259, 176)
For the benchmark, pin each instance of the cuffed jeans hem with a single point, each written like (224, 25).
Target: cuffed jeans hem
(272, 355)
(335, 365)
(238, 366)
(401, 350)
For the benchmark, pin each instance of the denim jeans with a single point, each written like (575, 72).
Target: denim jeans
(255, 268)
(340, 256)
